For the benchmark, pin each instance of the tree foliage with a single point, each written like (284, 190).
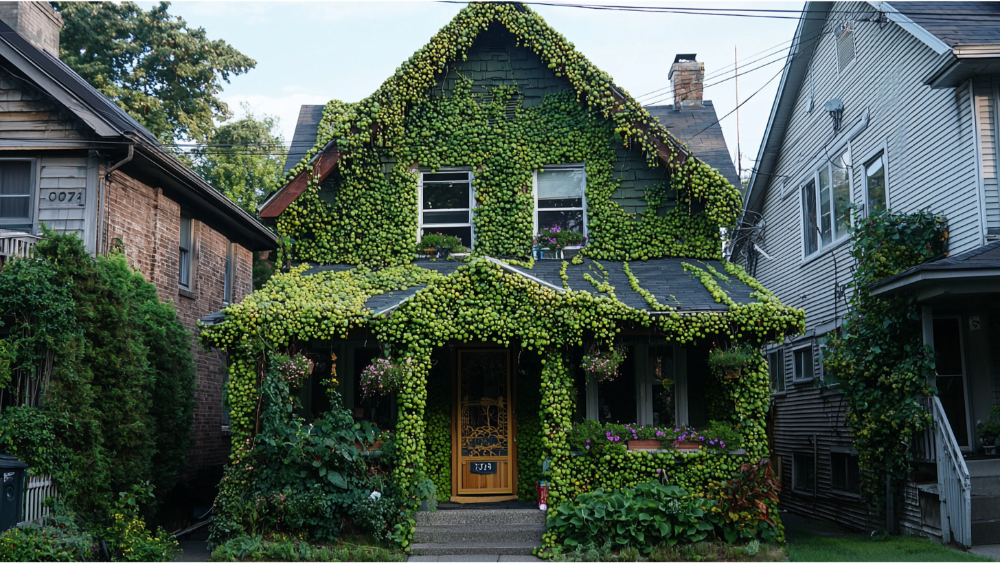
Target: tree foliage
(245, 159)
(166, 75)
(880, 359)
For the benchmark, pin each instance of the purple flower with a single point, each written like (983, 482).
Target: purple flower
(588, 447)
(658, 471)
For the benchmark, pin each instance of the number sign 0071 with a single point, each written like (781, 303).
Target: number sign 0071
(483, 467)
(58, 198)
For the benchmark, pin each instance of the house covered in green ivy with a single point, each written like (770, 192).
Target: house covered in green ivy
(501, 138)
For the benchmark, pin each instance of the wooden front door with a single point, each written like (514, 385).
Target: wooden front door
(483, 453)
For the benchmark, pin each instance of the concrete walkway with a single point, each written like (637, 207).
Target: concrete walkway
(992, 551)
(193, 550)
(472, 558)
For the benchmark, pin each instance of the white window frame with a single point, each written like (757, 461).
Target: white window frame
(881, 152)
(583, 195)
(838, 237)
(472, 204)
(644, 382)
(795, 369)
(34, 197)
(186, 259)
(836, 48)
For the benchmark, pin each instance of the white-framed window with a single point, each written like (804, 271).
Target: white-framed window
(776, 365)
(560, 198)
(802, 363)
(826, 205)
(803, 472)
(186, 251)
(17, 195)
(446, 204)
(876, 186)
(227, 291)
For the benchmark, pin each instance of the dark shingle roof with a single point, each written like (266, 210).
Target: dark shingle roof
(306, 130)
(956, 23)
(986, 257)
(710, 146)
(665, 278)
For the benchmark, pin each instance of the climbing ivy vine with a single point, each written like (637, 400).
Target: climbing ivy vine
(880, 358)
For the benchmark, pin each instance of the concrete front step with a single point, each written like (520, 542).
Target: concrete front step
(504, 548)
(985, 532)
(504, 533)
(480, 517)
(985, 508)
(983, 467)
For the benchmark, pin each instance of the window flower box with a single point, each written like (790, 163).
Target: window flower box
(643, 444)
(687, 446)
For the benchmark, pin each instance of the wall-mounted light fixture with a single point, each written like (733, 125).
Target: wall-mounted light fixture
(835, 108)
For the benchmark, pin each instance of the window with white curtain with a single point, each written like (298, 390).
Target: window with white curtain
(560, 199)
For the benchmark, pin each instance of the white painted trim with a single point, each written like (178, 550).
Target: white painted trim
(793, 350)
(840, 143)
(925, 37)
(510, 268)
(935, 275)
(90, 225)
(472, 203)
(534, 196)
(969, 428)
(681, 413)
(34, 197)
(977, 143)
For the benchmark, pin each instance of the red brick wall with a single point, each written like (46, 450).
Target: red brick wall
(147, 224)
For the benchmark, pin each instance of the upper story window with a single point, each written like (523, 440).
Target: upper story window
(446, 203)
(803, 364)
(560, 199)
(16, 196)
(876, 195)
(826, 205)
(186, 251)
(227, 291)
(845, 46)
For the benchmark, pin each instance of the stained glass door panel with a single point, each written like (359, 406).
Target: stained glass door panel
(485, 423)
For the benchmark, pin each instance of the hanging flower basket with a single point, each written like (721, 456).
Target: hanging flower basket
(603, 365)
(730, 361)
(383, 377)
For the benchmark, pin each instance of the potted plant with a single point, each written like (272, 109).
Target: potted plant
(437, 245)
(555, 239)
(686, 439)
(603, 365)
(730, 361)
(645, 438)
(723, 436)
(989, 430)
(382, 377)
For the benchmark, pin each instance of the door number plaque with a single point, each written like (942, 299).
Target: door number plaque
(483, 467)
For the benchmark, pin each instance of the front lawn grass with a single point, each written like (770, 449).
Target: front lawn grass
(806, 546)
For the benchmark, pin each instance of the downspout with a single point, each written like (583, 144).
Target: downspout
(102, 206)
(120, 163)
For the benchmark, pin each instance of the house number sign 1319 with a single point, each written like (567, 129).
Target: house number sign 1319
(483, 467)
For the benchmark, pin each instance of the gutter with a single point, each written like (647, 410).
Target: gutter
(890, 285)
(124, 161)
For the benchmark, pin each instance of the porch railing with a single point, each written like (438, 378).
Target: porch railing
(40, 487)
(938, 445)
(15, 244)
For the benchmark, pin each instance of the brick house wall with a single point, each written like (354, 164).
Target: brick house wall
(146, 223)
(35, 21)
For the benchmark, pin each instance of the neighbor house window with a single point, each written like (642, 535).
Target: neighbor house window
(186, 250)
(803, 363)
(845, 472)
(560, 200)
(876, 198)
(446, 202)
(16, 196)
(826, 205)
(776, 365)
(227, 292)
(803, 473)
(845, 46)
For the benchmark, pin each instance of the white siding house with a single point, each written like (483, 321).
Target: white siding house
(918, 130)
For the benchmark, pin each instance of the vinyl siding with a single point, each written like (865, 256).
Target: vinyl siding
(931, 152)
(62, 201)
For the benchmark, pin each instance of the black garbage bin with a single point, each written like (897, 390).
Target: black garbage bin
(12, 494)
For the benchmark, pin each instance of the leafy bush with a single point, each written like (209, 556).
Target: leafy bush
(256, 548)
(437, 241)
(646, 515)
(59, 539)
(722, 435)
(745, 503)
(554, 238)
(729, 359)
(127, 538)
(593, 437)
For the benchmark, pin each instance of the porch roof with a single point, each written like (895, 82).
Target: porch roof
(665, 278)
(979, 267)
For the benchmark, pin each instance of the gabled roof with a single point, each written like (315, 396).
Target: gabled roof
(955, 23)
(699, 129)
(593, 86)
(117, 129)
(304, 137)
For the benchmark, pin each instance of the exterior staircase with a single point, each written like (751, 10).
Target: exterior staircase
(478, 531)
(985, 474)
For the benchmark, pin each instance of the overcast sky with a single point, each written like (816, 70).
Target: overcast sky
(311, 52)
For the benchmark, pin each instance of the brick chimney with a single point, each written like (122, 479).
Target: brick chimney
(37, 22)
(687, 77)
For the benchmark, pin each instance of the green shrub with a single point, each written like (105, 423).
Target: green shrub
(59, 539)
(646, 515)
(127, 538)
(256, 548)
